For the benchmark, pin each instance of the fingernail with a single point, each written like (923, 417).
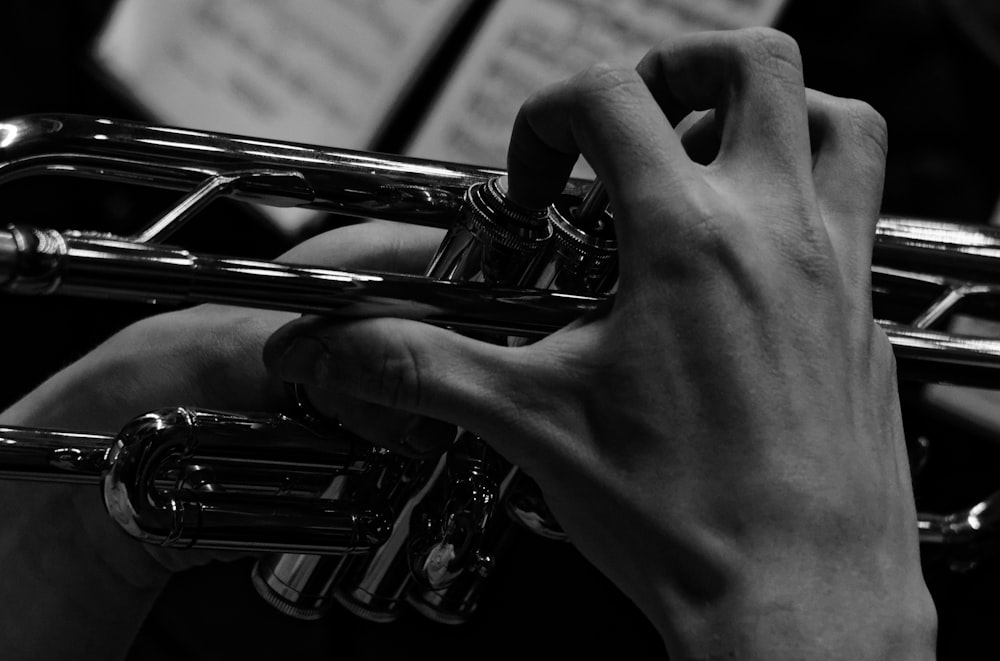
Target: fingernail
(427, 435)
(300, 361)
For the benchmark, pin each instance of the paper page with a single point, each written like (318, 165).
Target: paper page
(525, 45)
(325, 72)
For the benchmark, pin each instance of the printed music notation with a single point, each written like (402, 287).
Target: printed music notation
(332, 71)
(316, 71)
(527, 44)
(324, 71)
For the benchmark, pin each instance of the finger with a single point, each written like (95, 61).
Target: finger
(849, 150)
(371, 245)
(607, 114)
(537, 170)
(404, 365)
(753, 80)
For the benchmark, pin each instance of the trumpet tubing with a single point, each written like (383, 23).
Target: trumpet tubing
(348, 522)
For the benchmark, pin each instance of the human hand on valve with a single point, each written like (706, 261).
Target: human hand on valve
(724, 441)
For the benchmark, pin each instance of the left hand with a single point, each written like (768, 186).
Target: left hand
(65, 562)
(208, 357)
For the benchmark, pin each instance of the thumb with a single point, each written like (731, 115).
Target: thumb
(405, 365)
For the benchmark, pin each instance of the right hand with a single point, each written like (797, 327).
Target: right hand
(724, 440)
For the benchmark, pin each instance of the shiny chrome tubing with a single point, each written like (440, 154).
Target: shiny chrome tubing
(967, 252)
(36, 261)
(459, 532)
(462, 531)
(963, 539)
(965, 258)
(962, 527)
(322, 498)
(495, 242)
(183, 478)
(930, 271)
(51, 455)
(499, 244)
(248, 169)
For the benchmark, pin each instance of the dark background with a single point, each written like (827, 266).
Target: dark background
(929, 66)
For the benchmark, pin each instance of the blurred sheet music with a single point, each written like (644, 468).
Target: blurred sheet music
(332, 72)
(527, 44)
(318, 71)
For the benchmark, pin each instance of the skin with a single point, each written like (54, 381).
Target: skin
(65, 560)
(723, 442)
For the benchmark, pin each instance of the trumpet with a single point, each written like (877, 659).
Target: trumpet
(347, 522)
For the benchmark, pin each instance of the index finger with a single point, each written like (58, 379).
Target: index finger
(606, 113)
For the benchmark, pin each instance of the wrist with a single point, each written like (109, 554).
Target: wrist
(805, 609)
(54, 572)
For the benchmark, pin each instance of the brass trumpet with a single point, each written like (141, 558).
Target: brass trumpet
(349, 522)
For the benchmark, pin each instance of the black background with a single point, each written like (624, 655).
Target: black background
(911, 59)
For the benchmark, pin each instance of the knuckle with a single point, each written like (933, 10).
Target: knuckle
(603, 78)
(532, 105)
(853, 122)
(772, 50)
(867, 126)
